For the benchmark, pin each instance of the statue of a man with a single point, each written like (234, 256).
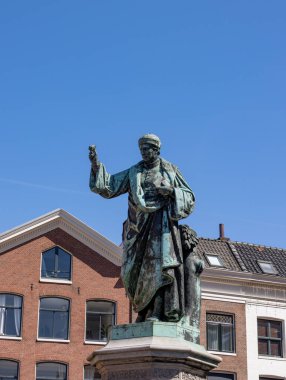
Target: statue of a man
(153, 262)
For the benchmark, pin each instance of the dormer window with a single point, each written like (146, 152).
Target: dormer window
(267, 267)
(56, 265)
(214, 260)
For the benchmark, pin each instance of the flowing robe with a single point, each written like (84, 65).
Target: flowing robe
(152, 251)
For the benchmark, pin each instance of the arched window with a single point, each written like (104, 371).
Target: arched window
(10, 315)
(220, 376)
(56, 264)
(100, 315)
(91, 373)
(54, 318)
(9, 370)
(51, 371)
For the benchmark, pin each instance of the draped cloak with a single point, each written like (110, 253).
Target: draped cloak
(152, 251)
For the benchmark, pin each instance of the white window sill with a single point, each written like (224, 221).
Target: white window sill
(56, 281)
(10, 337)
(268, 357)
(52, 340)
(96, 342)
(222, 353)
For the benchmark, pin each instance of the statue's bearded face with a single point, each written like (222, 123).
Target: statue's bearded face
(149, 152)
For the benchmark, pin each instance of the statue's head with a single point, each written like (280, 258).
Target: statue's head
(149, 146)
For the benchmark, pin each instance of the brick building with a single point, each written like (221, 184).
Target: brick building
(60, 290)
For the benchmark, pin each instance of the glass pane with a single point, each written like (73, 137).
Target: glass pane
(8, 369)
(226, 338)
(51, 371)
(212, 337)
(48, 263)
(262, 327)
(61, 321)
(10, 300)
(106, 323)
(267, 267)
(100, 306)
(91, 373)
(220, 376)
(13, 322)
(275, 329)
(263, 346)
(214, 260)
(275, 348)
(92, 326)
(56, 304)
(64, 264)
(46, 324)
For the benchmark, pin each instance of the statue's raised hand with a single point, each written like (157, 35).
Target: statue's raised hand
(93, 157)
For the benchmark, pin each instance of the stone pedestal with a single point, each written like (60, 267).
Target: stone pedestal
(153, 351)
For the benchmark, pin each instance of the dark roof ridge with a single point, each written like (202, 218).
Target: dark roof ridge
(237, 256)
(258, 245)
(242, 242)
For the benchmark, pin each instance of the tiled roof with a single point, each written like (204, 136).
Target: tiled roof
(242, 257)
(250, 254)
(220, 248)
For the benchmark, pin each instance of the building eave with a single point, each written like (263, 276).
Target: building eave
(59, 218)
(261, 279)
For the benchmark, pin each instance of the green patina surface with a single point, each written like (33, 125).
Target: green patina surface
(179, 330)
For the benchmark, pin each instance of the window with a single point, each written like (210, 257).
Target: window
(267, 267)
(269, 337)
(54, 318)
(51, 371)
(220, 376)
(91, 373)
(8, 370)
(100, 315)
(10, 315)
(214, 260)
(220, 332)
(56, 264)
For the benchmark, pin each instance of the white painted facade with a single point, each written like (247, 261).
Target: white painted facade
(264, 297)
(264, 365)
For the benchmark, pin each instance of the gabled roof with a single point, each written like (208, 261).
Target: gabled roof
(68, 223)
(220, 248)
(235, 256)
(243, 257)
(251, 254)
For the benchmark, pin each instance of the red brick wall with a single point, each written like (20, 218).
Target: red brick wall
(92, 277)
(234, 364)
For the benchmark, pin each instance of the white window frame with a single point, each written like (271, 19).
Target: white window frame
(52, 361)
(11, 337)
(56, 280)
(39, 339)
(226, 353)
(99, 342)
(221, 265)
(283, 340)
(14, 361)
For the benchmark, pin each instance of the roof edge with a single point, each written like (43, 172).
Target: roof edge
(60, 218)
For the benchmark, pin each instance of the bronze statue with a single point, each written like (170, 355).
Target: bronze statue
(160, 270)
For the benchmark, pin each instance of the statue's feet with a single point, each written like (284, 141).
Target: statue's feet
(153, 319)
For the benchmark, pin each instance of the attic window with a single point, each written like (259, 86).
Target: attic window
(214, 260)
(267, 267)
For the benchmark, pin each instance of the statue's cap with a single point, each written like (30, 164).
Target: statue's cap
(150, 138)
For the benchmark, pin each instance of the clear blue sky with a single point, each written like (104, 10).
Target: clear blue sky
(209, 77)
